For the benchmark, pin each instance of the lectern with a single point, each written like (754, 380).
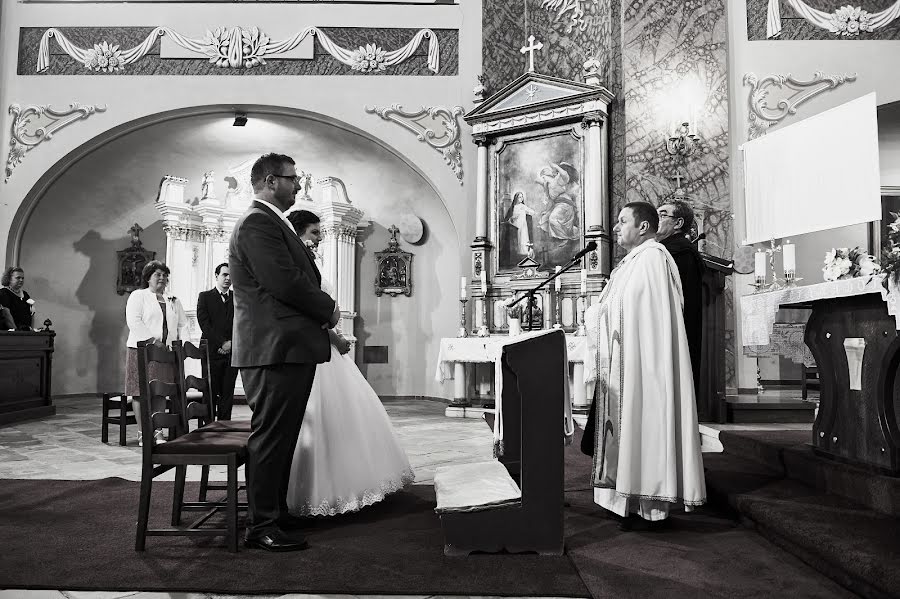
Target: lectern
(711, 406)
(25, 369)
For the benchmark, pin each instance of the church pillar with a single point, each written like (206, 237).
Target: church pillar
(482, 190)
(596, 202)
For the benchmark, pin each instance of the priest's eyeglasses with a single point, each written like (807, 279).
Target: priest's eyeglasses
(665, 215)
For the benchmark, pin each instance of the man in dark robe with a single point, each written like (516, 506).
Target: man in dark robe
(675, 221)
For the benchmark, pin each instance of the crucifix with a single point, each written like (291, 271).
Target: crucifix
(530, 48)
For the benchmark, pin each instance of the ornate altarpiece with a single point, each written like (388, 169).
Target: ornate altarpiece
(542, 181)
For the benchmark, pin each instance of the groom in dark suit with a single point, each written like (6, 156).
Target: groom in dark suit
(281, 317)
(215, 314)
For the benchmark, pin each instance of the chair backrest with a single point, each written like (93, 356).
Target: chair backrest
(153, 389)
(202, 410)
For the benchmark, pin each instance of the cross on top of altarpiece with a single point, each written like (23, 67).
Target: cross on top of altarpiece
(530, 48)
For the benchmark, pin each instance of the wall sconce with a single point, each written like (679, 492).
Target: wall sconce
(240, 119)
(682, 142)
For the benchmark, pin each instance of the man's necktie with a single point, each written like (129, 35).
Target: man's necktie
(224, 298)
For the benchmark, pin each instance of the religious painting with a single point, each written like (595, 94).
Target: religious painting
(878, 230)
(539, 199)
(393, 268)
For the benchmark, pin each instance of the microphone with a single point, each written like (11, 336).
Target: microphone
(590, 247)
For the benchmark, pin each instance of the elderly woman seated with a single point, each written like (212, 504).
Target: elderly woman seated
(16, 300)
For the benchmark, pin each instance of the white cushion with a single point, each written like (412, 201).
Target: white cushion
(474, 487)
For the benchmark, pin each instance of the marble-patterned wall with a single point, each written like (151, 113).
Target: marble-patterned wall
(647, 47)
(795, 27)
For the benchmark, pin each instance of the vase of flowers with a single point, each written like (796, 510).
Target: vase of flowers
(514, 315)
(843, 263)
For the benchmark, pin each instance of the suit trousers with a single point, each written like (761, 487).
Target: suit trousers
(277, 395)
(222, 377)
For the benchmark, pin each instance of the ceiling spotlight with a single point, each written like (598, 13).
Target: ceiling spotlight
(240, 119)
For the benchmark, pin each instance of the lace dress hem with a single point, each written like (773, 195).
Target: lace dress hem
(368, 497)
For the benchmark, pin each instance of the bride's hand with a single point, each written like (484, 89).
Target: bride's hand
(342, 345)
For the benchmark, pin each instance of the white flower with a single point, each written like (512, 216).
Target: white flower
(868, 266)
(103, 57)
(829, 256)
(29, 301)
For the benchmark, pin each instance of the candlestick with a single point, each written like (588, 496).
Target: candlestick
(462, 288)
(483, 330)
(581, 332)
(483, 276)
(583, 281)
(557, 282)
(463, 330)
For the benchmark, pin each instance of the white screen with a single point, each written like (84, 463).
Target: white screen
(820, 173)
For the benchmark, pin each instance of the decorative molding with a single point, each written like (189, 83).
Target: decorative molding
(539, 117)
(762, 116)
(847, 21)
(23, 140)
(183, 232)
(235, 48)
(562, 7)
(447, 143)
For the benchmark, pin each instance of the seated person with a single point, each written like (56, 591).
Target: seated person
(15, 299)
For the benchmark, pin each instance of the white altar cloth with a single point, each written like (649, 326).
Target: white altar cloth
(758, 310)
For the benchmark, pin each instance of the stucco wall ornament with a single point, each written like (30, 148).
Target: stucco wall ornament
(28, 132)
(846, 20)
(575, 7)
(447, 142)
(763, 116)
(237, 47)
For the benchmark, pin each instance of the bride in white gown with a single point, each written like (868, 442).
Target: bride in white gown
(347, 456)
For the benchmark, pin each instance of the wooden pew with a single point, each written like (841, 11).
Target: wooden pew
(515, 503)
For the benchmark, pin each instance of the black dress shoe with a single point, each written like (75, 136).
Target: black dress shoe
(276, 542)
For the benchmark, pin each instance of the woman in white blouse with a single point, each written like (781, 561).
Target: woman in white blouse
(152, 315)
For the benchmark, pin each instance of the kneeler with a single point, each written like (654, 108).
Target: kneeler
(514, 503)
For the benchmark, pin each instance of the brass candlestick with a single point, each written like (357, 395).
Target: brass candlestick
(557, 316)
(462, 332)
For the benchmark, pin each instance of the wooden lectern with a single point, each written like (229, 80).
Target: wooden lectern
(25, 369)
(534, 377)
(711, 406)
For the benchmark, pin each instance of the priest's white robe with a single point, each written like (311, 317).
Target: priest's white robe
(647, 442)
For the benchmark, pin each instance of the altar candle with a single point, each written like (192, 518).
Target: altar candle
(557, 282)
(760, 265)
(789, 256)
(583, 281)
(462, 288)
(483, 282)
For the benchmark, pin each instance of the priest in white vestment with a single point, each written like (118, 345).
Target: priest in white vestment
(646, 443)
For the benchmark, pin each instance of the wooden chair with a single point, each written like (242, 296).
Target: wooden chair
(201, 407)
(116, 402)
(182, 450)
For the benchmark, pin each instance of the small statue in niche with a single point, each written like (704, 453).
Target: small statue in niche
(207, 188)
(393, 268)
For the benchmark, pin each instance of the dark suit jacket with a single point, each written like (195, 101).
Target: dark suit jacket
(690, 267)
(279, 307)
(216, 319)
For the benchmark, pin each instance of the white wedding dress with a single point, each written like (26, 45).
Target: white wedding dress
(347, 456)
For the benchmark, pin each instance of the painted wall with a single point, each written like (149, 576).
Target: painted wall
(872, 61)
(72, 221)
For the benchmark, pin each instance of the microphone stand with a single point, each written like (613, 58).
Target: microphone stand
(530, 294)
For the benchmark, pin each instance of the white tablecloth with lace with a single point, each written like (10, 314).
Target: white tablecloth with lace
(786, 339)
(758, 310)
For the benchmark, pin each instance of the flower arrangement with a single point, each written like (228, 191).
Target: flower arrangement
(514, 311)
(890, 256)
(843, 263)
(313, 248)
(30, 303)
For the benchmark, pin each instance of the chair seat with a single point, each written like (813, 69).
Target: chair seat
(208, 442)
(236, 426)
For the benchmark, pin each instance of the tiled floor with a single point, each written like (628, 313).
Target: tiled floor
(67, 446)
